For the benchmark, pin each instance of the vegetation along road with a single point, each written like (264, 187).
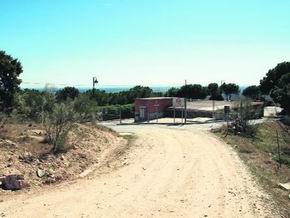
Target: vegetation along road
(168, 172)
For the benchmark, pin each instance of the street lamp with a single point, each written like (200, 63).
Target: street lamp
(95, 81)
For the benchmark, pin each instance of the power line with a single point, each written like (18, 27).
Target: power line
(55, 84)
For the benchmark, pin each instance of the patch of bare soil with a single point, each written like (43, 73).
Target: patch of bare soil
(23, 151)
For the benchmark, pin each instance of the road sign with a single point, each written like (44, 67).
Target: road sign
(178, 102)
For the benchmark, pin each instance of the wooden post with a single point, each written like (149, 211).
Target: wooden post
(120, 115)
(213, 109)
(185, 110)
(182, 115)
(279, 149)
(174, 115)
(147, 117)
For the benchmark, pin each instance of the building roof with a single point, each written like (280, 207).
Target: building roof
(207, 105)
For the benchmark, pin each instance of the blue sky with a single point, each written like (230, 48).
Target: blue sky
(152, 42)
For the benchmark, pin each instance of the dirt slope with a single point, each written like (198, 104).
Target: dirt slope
(169, 173)
(28, 153)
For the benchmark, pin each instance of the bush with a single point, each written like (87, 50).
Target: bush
(58, 124)
(285, 159)
(3, 120)
(31, 104)
(85, 107)
(113, 112)
(241, 120)
(67, 93)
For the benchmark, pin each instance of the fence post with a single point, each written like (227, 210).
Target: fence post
(120, 115)
(279, 149)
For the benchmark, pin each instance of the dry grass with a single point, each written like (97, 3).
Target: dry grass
(260, 154)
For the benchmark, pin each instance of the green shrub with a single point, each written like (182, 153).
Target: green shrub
(58, 124)
(85, 107)
(285, 159)
(113, 111)
(241, 120)
(31, 104)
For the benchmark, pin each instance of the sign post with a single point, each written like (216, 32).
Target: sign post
(185, 110)
(157, 112)
(179, 103)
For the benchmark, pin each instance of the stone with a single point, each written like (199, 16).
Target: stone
(26, 157)
(10, 143)
(40, 173)
(13, 182)
(51, 171)
(285, 186)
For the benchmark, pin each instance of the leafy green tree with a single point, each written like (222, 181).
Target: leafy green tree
(10, 70)
(67, 93)
(271, 80)
(172, 92)
(277, 84)
(99, 96)
(194, 91)
(139, 92)
(230, 89)
(252, 92)
(214, 91)
(125, 97)
(30, 104)
(281, 92)
(85, 107)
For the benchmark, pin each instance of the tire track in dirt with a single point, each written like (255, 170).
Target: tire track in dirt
(170, 173)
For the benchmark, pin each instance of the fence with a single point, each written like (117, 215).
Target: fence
(115, 112)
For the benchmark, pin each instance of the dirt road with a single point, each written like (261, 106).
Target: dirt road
(170, 172)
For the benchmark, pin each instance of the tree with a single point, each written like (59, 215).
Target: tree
(252, 92)
(85, 107)
(214, 91)
(277, 84)
(139, 92)
(31, 104)
(271, 80)
(172, 92)
(67, 93)
(230, 89)
(194, 91)
(281, 92)
(10, 70)
(124, 97)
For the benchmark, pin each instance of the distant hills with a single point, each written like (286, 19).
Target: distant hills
(108, 89)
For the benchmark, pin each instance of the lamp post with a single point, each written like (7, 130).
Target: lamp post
(95, 81)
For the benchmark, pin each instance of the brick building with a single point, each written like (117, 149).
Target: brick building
(151, 108)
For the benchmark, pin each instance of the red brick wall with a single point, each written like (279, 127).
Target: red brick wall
(150, 105)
